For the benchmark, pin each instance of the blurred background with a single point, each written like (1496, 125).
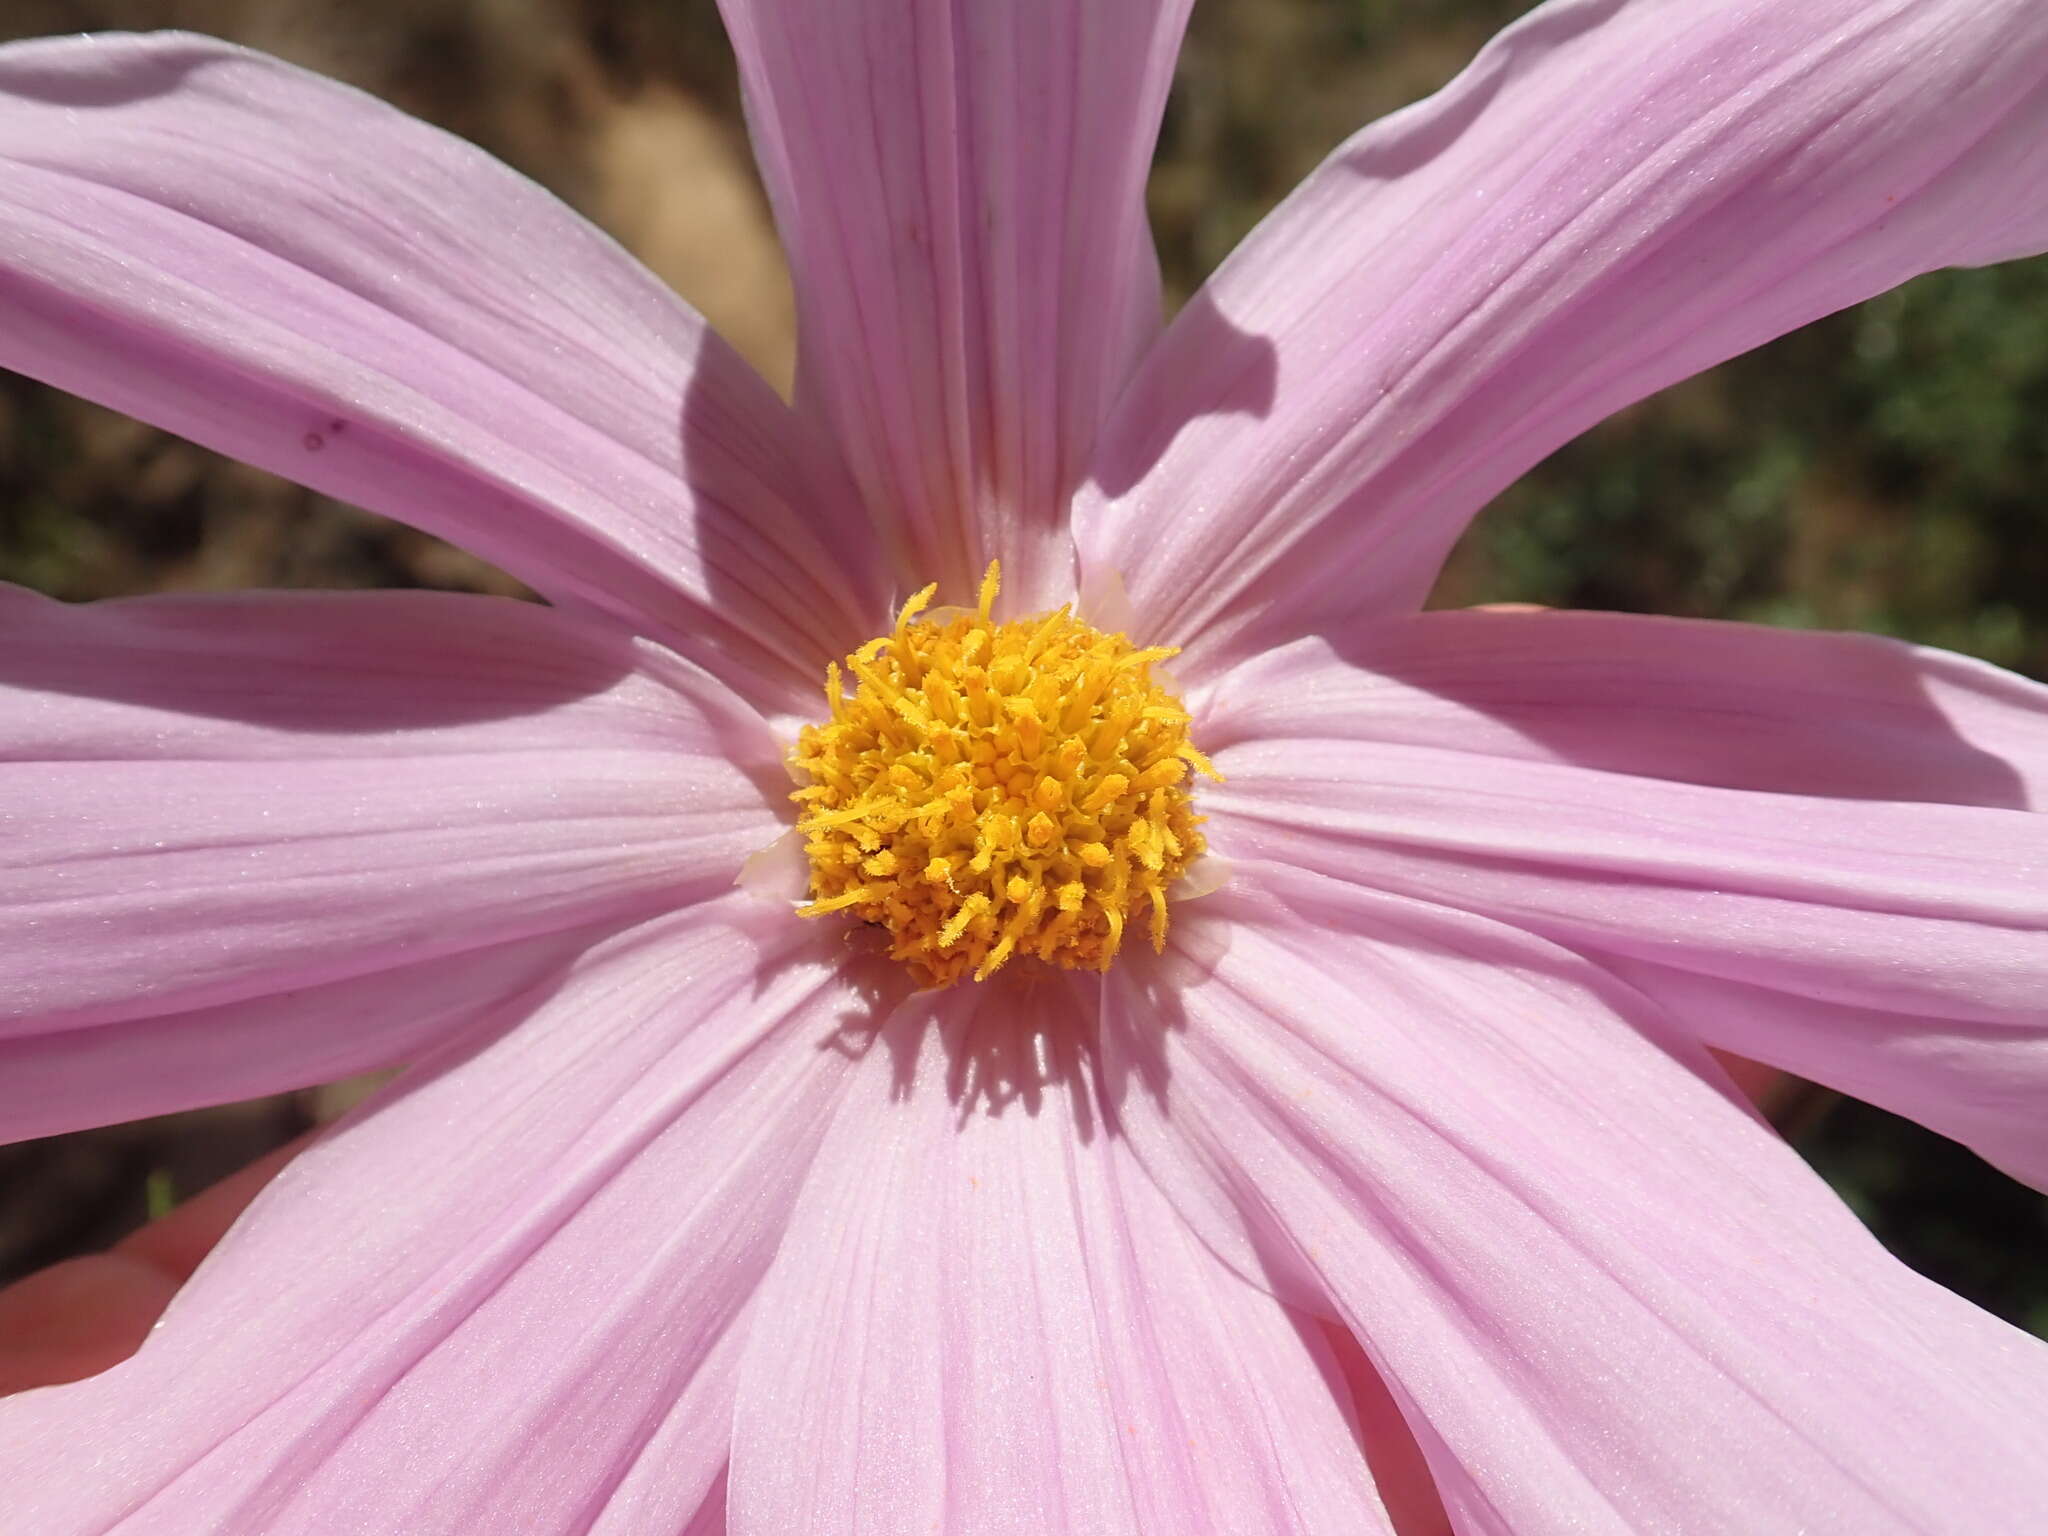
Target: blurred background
(1883, 470)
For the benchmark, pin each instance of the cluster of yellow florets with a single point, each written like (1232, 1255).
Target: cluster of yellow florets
(994, 790)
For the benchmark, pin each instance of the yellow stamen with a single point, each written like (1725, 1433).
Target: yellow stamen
(993, 791)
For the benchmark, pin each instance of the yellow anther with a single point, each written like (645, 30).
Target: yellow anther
(836, 903)
(996, 791)
(1108, 789)
(1030, 734)
(972, 908)
(1188, 753)
(919, 601)
(1159, 775)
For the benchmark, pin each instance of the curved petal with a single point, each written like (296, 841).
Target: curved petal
(508, 1295)
(67, 1079)
(1740, 706)
(1606, 1297)
(288, 271)
(1858, 895)
(1984, 1085)
(1874, 903)
(988, 1321)
(1615, 195)
(1398, 1465)
(208, 800)
(961, 192)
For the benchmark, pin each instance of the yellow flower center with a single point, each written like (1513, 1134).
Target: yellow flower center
(994, 790)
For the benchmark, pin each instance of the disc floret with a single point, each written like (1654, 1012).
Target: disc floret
(989, 791)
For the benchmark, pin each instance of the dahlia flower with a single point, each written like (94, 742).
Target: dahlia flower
(957, 1169)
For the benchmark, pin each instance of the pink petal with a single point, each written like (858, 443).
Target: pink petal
(290, 272)
(1398, 1465)
(58, 1079)
(1617, 194)
(1606, 1297)
(1875, 903)
(214, 799)
(508, 1296)
(1983, 1084)
(1742, 706)
(1862, 902)
(987, 1321)
(961, 191)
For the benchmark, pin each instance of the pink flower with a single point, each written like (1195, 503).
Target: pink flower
(692, 1216)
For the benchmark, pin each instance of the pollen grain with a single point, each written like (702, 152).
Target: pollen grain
(992, 791)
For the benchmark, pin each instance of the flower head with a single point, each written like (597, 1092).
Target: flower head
(1391, 1183)
(994, 791)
